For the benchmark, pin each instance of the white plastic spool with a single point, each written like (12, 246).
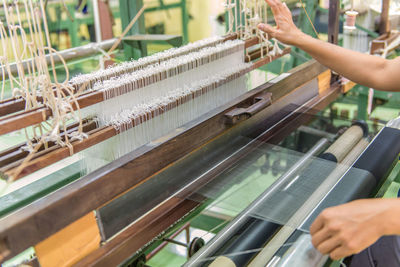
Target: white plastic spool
(351, 17)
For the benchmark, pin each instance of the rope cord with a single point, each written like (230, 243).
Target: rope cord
(309, 19)
(35, 80)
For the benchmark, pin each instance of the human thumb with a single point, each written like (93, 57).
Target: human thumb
(267, 28)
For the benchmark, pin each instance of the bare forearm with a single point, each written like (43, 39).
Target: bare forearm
(367, 70)
(390, 219)
(364, 69)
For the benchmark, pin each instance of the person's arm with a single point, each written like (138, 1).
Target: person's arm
(350, 228)
(368, 70)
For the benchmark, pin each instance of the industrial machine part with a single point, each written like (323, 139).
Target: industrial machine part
(252, 233)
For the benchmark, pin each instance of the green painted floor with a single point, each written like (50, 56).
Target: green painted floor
(392, 190)
(167, 257)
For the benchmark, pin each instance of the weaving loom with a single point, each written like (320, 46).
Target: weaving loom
(152, 140)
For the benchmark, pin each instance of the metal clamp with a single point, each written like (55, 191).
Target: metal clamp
(239, 114)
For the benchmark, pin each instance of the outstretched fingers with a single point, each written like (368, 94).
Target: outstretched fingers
(276, 11)
(285, 30)
(280, 11)
(277, 6)
(286, 10)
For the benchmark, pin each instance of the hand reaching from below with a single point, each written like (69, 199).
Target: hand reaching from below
(350, 228)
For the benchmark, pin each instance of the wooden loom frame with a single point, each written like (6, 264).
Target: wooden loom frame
(96, 135)
(94, 190)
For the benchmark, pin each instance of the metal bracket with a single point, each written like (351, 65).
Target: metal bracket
(239, 114)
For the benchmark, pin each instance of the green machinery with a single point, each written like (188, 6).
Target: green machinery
(135, 45)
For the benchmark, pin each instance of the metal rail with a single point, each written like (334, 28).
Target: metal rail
(69, 54)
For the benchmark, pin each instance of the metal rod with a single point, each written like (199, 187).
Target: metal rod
(69, 54)
(320, 133)
(333, 28)
(97, 28)
(175, 242)
(185, 227)
(97, 24)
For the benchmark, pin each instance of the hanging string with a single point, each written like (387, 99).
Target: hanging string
(35, 80)
(309, 19)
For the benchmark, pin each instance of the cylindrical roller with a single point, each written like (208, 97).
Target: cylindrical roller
(254, 236)
(222, 261)
(259, 232)
(379, 156)
(358, 182)
(280, 238)
(341, 147)
(303, 212)
(242, 249)
(303, 253)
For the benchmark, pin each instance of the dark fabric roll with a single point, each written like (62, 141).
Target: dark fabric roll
(329, 156)
(366, 173)
(252, 238)
(381, 153)
(363, 125)
(355, 184)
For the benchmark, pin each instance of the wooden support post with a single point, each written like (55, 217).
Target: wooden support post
(384, 26)
(106, 23)
(106, 20)
(333, 25)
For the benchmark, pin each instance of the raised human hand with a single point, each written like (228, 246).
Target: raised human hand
(285, 30)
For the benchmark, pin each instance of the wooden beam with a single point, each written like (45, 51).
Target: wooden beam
(384, 42)
(333, 21)
(11, 105)
(333, 27)
(384, 25)
(268, 59)
(54, 154)
(61, 249)
(16, 154)
(139, 234)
